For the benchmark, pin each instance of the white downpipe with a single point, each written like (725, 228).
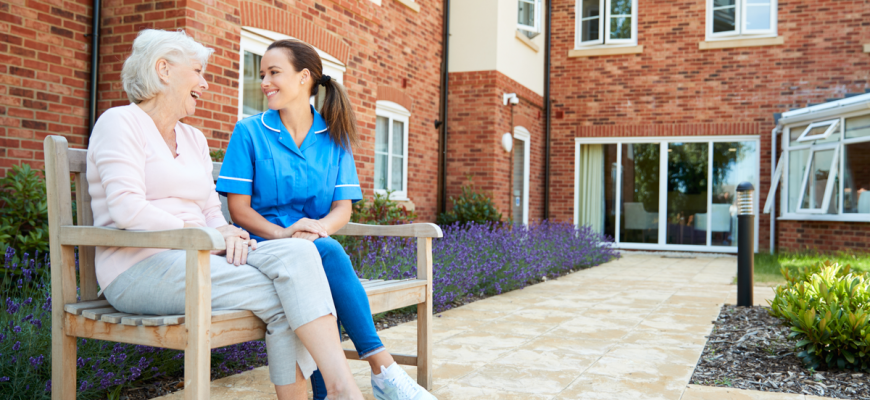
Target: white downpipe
(773, 135)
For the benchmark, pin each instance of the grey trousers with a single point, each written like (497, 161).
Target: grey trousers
(283, 284)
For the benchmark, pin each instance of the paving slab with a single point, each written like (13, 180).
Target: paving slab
(633, 328)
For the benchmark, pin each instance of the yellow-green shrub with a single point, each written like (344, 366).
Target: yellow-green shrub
(827, 307)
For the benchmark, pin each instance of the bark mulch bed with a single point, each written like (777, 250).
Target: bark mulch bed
(749, 349)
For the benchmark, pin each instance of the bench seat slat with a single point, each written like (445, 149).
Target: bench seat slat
(96, 313)
(114, 318)
(77, 308)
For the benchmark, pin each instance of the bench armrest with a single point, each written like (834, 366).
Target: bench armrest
(176, 239)
(424, 230)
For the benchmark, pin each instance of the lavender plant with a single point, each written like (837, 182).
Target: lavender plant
(485, 259)
(102, 367)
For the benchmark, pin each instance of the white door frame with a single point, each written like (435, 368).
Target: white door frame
(664, 140)
(521, 133)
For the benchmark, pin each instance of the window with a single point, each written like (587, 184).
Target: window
(254, 44)
(529, 16)
(825, 169)
(676, 193)
(729, 18)
(391, 149)
(606, 22)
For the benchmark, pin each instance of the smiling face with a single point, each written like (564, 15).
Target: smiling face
(281, 84)
(185, 84)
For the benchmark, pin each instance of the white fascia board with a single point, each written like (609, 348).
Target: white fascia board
(825, 110)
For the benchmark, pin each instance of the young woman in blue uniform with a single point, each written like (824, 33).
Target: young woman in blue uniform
(289, 172)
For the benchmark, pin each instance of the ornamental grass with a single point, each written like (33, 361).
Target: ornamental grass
(473, 260)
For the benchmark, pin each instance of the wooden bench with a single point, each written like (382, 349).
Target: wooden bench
(199, 330)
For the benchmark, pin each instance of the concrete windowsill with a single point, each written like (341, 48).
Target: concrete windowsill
(528, 42)
(867, 48)
(410, 4)
(605, 51)
(735, 43)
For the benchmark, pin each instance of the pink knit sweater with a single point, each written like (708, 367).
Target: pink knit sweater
(135, 183)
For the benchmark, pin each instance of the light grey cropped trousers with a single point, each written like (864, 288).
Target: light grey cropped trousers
(283, 284)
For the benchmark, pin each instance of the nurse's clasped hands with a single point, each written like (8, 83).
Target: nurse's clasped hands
(306, 228)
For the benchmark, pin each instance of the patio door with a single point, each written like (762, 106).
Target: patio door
(664, 193)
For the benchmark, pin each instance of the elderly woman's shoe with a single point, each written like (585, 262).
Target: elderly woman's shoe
(393, 383)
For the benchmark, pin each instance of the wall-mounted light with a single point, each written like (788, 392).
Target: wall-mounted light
(510, 97)
(507, 142)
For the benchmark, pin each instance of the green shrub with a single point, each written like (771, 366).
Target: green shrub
(827, 307)
(470, 206)
(217, 155)
(381, 211)
(23, 210)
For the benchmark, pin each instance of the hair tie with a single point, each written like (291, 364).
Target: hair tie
(324, 80)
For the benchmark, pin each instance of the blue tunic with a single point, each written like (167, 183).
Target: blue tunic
(287, 183)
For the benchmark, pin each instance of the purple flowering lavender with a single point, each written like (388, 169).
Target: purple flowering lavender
(481, 259)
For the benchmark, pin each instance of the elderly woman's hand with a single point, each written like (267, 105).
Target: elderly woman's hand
(238, 240)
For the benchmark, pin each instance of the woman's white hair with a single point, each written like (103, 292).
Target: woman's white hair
(139, 76)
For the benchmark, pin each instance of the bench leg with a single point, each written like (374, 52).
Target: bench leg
(63, 363)
(197, 354)
(424, 344)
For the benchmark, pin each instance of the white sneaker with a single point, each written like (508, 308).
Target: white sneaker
(393, 383)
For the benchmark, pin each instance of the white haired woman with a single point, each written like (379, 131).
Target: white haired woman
(148, 171)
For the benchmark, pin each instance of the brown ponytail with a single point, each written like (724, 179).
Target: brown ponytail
(337, 109)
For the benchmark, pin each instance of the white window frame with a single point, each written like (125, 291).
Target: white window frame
(255, 40)
(832, 176)
(832, 125)
(538, 4)
(837, 169)
(603, 26)
(740, 29)
(394, 112)
(521, 133)
(662, 227)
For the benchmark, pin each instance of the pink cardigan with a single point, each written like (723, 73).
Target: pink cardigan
(135, 183)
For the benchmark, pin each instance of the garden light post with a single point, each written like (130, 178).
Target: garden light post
(745, 244)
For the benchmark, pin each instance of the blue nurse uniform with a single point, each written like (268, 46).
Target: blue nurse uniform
(287, 183)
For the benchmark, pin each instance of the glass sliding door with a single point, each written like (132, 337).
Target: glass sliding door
(733, 162)
(673, 193)
(687, 193)
(641, 164)
(597, 188)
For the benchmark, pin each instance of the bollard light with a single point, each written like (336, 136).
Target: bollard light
(745, 244)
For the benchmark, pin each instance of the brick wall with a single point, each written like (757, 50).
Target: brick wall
(44, 74)
(674, 87)
(825, 237)
(477, 120)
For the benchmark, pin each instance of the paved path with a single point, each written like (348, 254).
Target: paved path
(630, 329)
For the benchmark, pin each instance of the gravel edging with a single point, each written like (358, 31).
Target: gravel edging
(749, 349)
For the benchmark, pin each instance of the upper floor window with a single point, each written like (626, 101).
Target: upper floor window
(606, 22)
(391, 149)
(254, 43)
(727, 18)
(529, 16)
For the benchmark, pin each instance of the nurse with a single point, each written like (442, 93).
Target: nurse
(289, 173)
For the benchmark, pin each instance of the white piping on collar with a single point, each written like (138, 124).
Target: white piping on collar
(278, 130)
(267, 126)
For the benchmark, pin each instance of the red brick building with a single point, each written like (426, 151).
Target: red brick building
(658, 108)
(386, 52)
(651, 86)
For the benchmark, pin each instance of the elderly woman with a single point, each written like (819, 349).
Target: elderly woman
(148, 171)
